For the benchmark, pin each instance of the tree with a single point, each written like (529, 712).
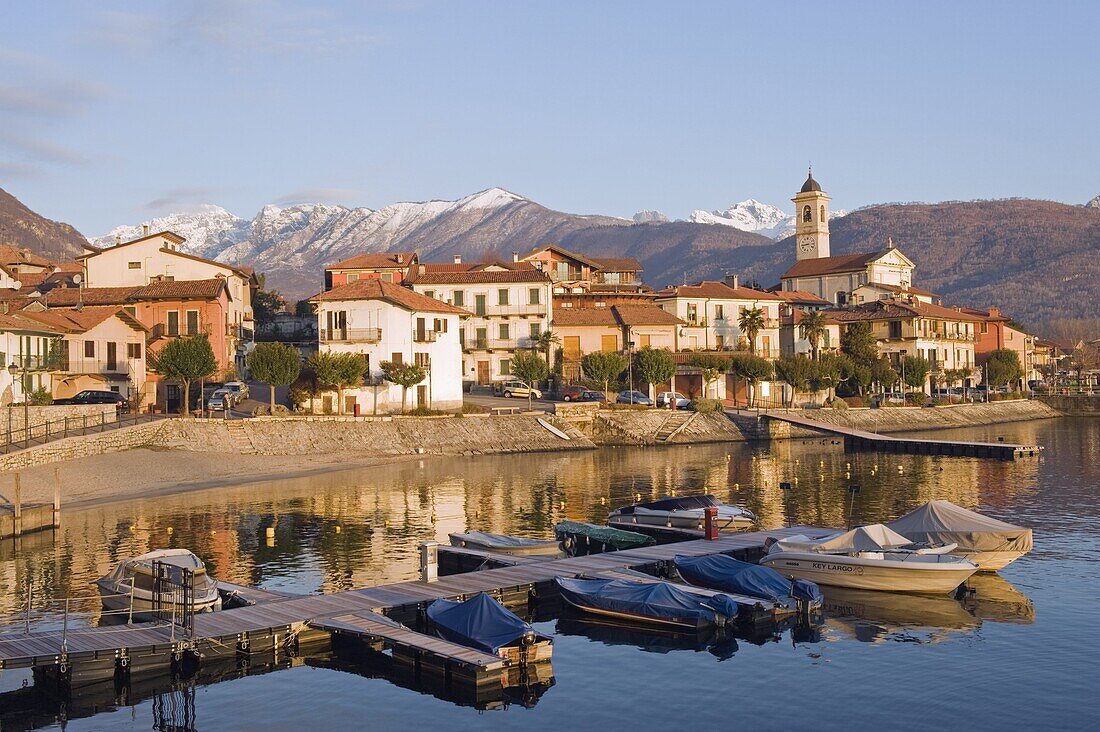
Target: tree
(1002, 367)
(266, 303)
(826, 373)
(545, 342)
(858, 343)
(337, 371)
(710, 368)
(883, 374)
(855, 376)
(276, 364)
(915, 370)
(528, 367)
(405, 375)
(753, 369)
(812, 327)
(654, 366)
(185, 360)
(603, 366)
(304, 309)
(794, 371)
(751, 322)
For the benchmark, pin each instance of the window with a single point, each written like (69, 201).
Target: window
(173, 322)
(192, 322)
(504, 335)
(692, 312)
(458, 298)
(396, 358)
(89, 349)
(352, 277)
(502, 296)
(133, 265)
(534, 298)
(423, 360)
(479, 305)
(112, 355)
(133, 350)
(536, 330)
(131, 310)
(429, 293)
(505, 367)
(718, 314)
(822, 217)
(807, 214)
(462, 337)
(385, 277)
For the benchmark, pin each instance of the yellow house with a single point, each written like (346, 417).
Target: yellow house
(619, 328)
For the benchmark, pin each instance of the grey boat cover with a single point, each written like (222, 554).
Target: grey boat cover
(942, 522)
(870, 538)
(502, 541)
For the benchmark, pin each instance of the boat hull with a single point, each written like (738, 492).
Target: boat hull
(684, 624)
(550, 549)
(888, 576)
(989, 561)
(118, 600)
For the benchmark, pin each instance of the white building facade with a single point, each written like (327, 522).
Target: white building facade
(711, 312)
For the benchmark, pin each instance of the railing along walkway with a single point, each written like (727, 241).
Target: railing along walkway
(71, 426)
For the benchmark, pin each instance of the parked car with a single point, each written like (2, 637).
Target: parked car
(673, 397)
(216, 401)
(571, 393)
(1035, 384)
(239, 390)
(891, 397)
(975, 394)
(633, 397)
(95, 396)
(519, 389)
(590, 396)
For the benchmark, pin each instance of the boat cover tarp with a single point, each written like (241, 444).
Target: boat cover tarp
(616, 538)
(870, 538)
(721, 572)
(657, 600)
(942, 522)
(502, 541)
(480, 622)
(681, 503)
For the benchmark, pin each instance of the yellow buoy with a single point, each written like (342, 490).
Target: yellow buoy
(338, 529)
(213, 533)
(737, 486)
(169, 529)
(270, 531)
(847, 476)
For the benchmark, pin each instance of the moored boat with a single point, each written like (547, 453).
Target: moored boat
(504, 544)
(869, 558)
(726, 574)
(483, 623)
(579, 539)
(656, 603)
(131, 587)
(987, 542)
(681, 512)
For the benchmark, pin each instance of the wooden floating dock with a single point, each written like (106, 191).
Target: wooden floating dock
(283, 626)
(862, 440)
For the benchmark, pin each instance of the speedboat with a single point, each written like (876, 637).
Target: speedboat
(483, 623)
(130, 587)
(682, 512)
(657, 603)
(870, 557)
(726, 574)
(989, 543)
(504, 544)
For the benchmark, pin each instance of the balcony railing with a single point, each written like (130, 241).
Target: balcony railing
(347, 335)
(505, 311)
(425, 336)
(496, 344)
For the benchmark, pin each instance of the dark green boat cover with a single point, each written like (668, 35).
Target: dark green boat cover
(615, 538)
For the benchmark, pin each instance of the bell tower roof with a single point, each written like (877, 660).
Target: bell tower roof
(810, 185)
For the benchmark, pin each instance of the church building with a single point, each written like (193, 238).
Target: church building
(876, 275)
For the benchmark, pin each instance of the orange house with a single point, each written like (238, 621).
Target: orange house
(386, 266)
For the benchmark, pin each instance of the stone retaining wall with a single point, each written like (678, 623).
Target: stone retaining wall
(1076, 405)
(12, 418)
(639, 427)
(124, 438)
(913, 419)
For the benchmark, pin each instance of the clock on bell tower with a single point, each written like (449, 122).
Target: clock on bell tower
(811, 210)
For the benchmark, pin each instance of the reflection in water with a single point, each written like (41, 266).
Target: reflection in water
(991, 597)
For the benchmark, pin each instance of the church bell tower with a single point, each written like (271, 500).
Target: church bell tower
(811, 210)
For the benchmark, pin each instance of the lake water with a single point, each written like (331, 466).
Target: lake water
(1021, 650)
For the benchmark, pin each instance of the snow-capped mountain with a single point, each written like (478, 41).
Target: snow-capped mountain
(650, 217)
(752, 215)
(1094, 203)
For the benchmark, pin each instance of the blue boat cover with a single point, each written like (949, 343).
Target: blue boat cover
(724, 573)
(656, 600)
(481, 622)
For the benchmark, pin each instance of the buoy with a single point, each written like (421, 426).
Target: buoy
(796, 461)
(847, 476)
(848, 465)
(637, 496)
(269, 531)
(821, 476)
(561, 504)
(169, 529)
(387, 523)
(338, 528)
(433, 518)
(737, 486)
(796, 480)
(603, 501)
(901, 469)
(213, 533)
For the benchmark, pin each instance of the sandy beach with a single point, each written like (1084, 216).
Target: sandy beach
(145, 472)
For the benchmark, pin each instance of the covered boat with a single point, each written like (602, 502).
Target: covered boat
(504, 544)
(870, 557)
(989, 543)
(483, 623)
(722, 572)
(659, 603)
(130, 587)
(682, 512)
(579, 539)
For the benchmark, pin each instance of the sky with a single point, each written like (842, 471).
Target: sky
(115, 113)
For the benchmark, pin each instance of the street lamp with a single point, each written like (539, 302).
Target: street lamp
(15, 370)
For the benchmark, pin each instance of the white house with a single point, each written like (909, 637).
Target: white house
(711, 312)
(382, 321)
(25, 344)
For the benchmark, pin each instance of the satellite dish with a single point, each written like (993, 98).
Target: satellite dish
(77, 279)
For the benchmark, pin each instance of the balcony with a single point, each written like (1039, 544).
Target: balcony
(507, 311)
(496, 344)
(350, 335)
(425, 336)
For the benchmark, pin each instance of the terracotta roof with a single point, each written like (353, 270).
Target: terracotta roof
(566, 252)
(801, 297)
(169, 235)
(892, 310)
(69, 296)
(482, 277)
(615, 316)
(80, 321)
(831, 265)
(14, 255)
(715, 289)
(181, 290)
(618, 264)
(20, 322)
(403, 297)
(474, 266)
(375, 260)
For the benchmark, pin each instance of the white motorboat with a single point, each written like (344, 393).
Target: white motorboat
(870, 557)
(130, 587)
(683, 512)
(989, 543)
(504, 544)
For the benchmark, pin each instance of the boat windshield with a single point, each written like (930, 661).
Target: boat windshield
(681, 503)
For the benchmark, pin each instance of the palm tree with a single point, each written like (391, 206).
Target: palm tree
(545, 342)
(751, 322)
(812, 328)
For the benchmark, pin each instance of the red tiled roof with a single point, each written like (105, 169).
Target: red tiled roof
(615, 316)
(20, 322)
(81, 321)
(644, 315)
(14, 255)
(375, 260)
(474, 266)
(181, 290)
(892, 310)
(482, 277)
(714, 289)
(403, 297)
(618, 264)
(831, 265)
(69, 296)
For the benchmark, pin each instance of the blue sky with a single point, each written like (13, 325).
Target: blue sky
(117, 112)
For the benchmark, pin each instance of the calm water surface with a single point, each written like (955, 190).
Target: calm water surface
(1021, 649)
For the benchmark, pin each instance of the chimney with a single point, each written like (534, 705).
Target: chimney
(733, 281)
(458, 259)
(118, 239)
(515, 256)
(889, 242)
(145, 229)
(421, 269)
(400, 258)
